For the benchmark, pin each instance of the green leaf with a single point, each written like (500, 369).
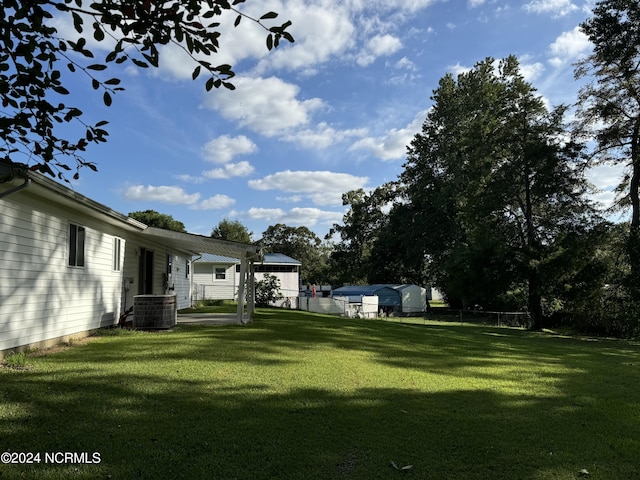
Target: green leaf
(139, 63)
(77, 22)
(237, 22)
(179, 34)
(107, 99)
(268, 15)
(60, 89)
(196, 72)
(95, 84)
(270, 41)
(209, 85)
(97, 66)
(98, 34)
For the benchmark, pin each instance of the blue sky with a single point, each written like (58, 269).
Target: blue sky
(312, 120)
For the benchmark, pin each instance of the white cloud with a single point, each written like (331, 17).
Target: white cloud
(176, 196)
(164, 194)
(266, 105)
(475, 3)
(217, 202)
(322, 136)
(240, 169)
(308, 217)
(379, 45)
(568, 47)
(457, 69)
(267, 214)
(320, 187)
(557, 8)
(224, 148)
(291, 199)
(322, 30)
(405, 63)
(531, 71)
(190, 178)
(392, 145)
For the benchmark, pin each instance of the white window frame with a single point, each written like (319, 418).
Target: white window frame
(219, 271)
(117, 254)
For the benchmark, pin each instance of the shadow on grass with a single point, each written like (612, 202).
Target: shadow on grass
(242, 403)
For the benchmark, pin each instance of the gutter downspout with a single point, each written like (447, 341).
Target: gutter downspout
(26, 183)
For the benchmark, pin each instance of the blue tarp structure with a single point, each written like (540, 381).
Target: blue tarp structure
(387, 295)
(407, 299)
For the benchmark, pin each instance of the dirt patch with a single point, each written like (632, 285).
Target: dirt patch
(63, 346)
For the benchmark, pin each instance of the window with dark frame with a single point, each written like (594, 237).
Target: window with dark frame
(117, 250)
(76, 245)
(221, 273)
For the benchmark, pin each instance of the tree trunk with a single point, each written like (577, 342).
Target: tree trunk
(535, 301)
(633, 246)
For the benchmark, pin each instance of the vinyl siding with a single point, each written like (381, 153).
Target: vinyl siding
(206, 286)
(41, 297)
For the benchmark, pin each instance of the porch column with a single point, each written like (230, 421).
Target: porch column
(241, 290)
(251, 293)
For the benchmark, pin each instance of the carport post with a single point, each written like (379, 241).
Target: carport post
(241, 286)
(251, 293)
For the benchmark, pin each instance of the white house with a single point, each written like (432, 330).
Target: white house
(71, 265)
(216, 277)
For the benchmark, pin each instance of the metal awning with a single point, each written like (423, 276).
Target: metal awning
(197, 244)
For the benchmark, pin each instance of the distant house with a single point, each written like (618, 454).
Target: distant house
(71, 265)
(215, 277)
(402, 299)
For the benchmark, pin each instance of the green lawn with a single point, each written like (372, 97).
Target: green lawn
(303, 396)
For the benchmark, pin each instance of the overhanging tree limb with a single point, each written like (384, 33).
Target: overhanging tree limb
(33, 55)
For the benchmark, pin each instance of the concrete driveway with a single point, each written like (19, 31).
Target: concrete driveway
(206, 319)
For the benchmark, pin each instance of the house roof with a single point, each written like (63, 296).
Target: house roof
(405, 286)
(213, 258)
(280, 258)
(49, 189)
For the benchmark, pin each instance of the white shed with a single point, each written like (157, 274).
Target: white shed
(413, 299)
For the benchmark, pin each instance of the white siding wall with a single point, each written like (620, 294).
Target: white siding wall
(41, 297)
(206, 285)
(179, 280)
(289, 286)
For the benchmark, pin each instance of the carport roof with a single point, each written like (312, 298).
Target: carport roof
(197, 244)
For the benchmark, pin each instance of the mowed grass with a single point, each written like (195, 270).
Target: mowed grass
(304, 396)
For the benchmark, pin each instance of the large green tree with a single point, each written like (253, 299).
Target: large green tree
(609, 107)
(497, 186)
(158, 220)
(232, 231)
(36, 58)
(299, 243)
(351, 259)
